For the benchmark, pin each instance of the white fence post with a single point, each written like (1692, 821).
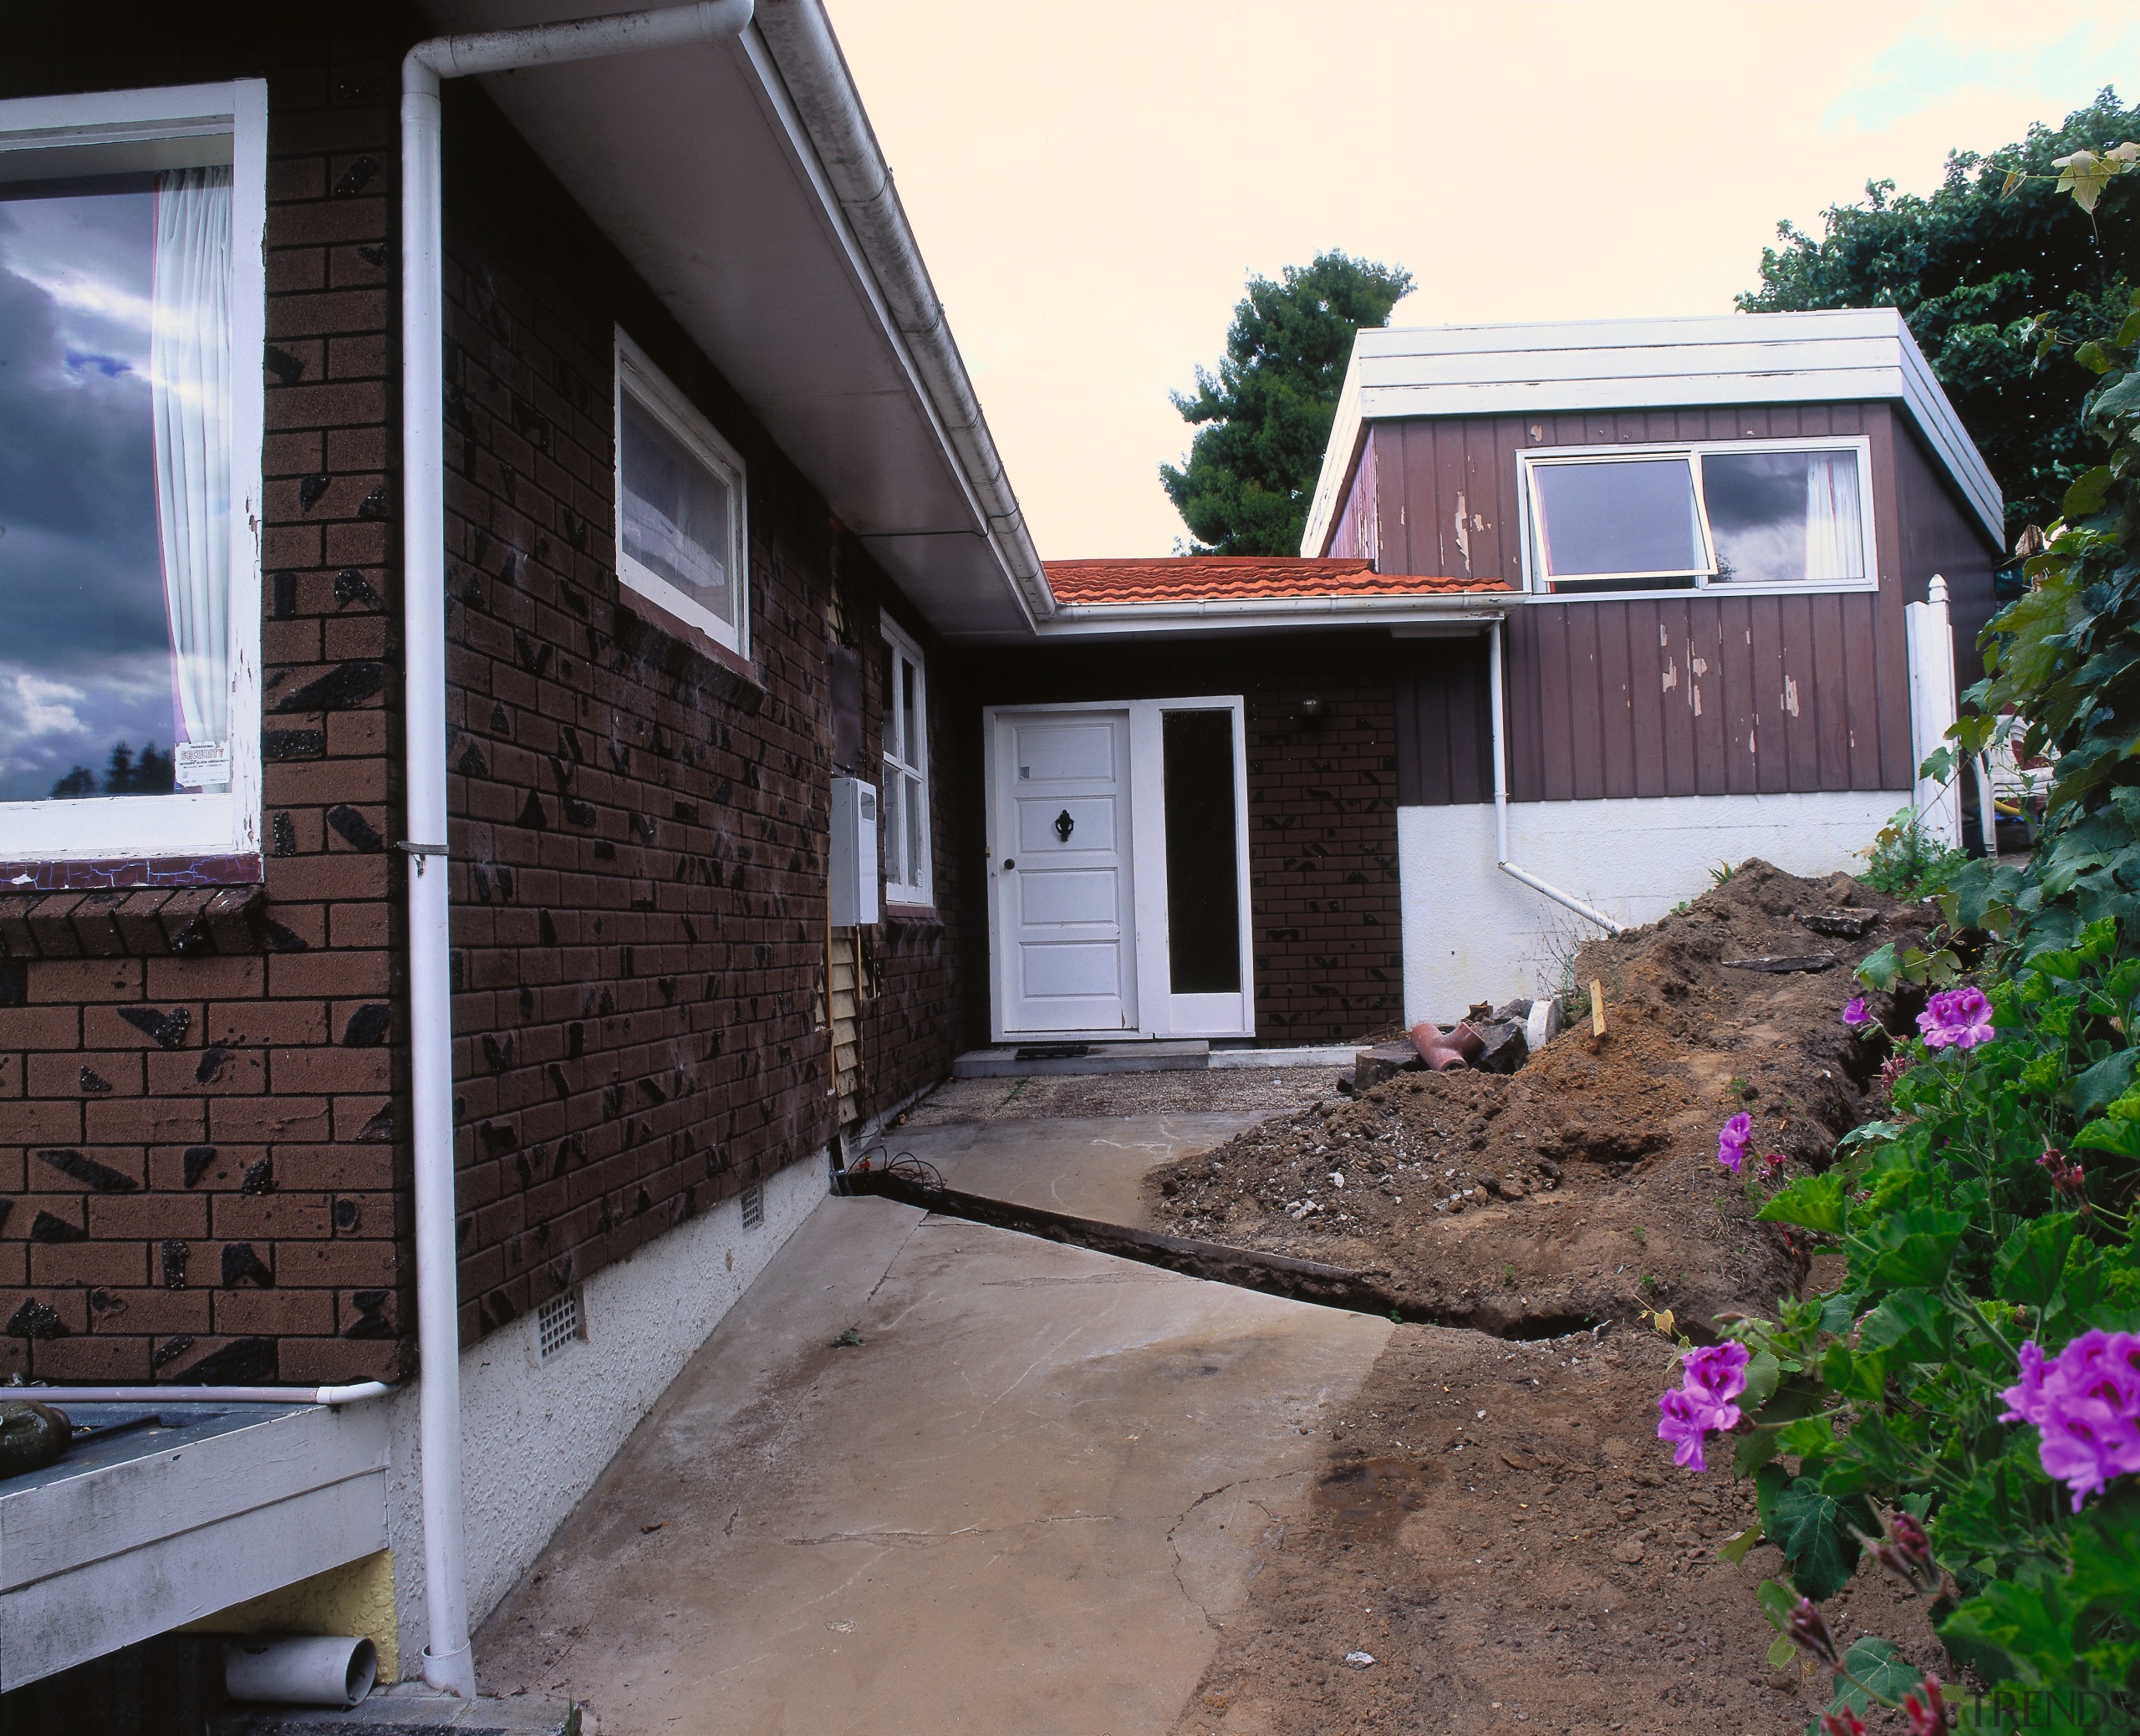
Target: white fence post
(1932, 709)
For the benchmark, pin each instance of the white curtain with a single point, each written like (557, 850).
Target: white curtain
(1835, 544)
(190, 382)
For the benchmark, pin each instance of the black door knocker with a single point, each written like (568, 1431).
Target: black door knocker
(1064, 825)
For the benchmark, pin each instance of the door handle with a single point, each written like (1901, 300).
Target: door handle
(1008, 864)
(1064, 826)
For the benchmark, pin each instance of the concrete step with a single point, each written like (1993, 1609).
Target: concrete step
(412, 1708)
(1042, 1057)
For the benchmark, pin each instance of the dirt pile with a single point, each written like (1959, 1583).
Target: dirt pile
(1497, 1529)
(1584, 1187)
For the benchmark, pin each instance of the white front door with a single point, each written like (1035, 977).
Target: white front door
(1065, 904)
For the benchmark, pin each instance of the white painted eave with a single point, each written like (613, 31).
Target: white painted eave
(1142, 620)
(742, 181)
(1842, 356)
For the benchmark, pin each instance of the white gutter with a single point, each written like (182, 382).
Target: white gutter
(448, 1663)
(800, 38)
(1500, 802)
(172, 1393)
(1074, 619)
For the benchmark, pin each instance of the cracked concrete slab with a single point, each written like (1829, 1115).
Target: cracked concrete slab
(1026, 1501)
(1088, 1166)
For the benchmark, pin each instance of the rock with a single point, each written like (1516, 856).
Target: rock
(31, 1436)
(1629, 1552)
(1359, 1660)
(1384, 1060)
(1782, 963)
(1850, 921)
(1518, 1009)
(1504, 1048)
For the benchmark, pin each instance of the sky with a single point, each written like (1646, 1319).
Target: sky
(86, 661)
(1093, 183)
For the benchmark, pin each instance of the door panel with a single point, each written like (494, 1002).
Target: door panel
(1065, 902)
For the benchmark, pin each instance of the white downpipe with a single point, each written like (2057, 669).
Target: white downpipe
(449, 1665)
(171, 1393)
(1500, 799)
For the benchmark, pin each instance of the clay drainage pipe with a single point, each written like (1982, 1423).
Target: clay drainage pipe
(448, 1663)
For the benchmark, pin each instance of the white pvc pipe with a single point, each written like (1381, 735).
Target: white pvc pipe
(304, 1670)
(448, 1663)
(1500, 800)
(172, 1393)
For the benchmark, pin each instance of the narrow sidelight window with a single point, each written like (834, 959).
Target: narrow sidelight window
(1203, 879)
(907, 875)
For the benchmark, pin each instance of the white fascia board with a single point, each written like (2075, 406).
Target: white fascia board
(1850, 356)
(1139, 620)
(1340, 454)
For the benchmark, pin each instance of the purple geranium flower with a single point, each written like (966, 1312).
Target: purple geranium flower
(1854, 1013)
(1961, 1017)
(2086, 1403)
(1700, 1405)
(1731, 1142)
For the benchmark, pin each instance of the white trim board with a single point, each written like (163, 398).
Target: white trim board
(1839, 356)
(1160, 1013)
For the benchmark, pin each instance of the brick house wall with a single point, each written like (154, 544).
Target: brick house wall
(196, 1144)
(203, 1135)
(1321, 808)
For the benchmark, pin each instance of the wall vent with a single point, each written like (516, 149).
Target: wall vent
(754, 1206)
(557, 1323)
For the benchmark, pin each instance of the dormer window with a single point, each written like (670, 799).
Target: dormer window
(1741, 514)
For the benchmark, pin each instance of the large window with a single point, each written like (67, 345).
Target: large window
(681, 535)
(1738, 514)
(907, 878)
(130, 285)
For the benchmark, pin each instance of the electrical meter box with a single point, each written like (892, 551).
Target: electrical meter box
(854, 853)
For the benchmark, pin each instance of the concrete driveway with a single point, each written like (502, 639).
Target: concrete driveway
(1026, 1502)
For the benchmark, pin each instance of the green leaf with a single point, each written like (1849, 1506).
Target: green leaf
(1813, 1530)
(2097, 1086)
(1781, 1652)
(1876, 1664)
(1777, 1602)
(1913, 1324)
(1733, 1548)
(1813, 1201)
(2087, 494)
(1881, 969)
(1927, 1248)
(1762, 1373)
(2032, 1260)
(1808, 1438)
(2120, 1138)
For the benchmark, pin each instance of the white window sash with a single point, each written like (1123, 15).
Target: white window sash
(180, 126)
(909, 872)
(1539, 586)
(653, 392)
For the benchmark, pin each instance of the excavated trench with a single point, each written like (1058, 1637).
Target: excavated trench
(1277, 1275)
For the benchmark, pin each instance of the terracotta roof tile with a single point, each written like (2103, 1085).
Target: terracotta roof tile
(1195, 578)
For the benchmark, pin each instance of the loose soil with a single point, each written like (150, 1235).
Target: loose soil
(1584, 1187)
(1496, 1527)
(1496, 1524)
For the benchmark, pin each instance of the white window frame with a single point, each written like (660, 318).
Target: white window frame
(921, 894)
(1623, 585)
(113, 132)
(657, 394)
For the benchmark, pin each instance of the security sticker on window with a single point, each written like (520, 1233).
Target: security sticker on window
(201, 764)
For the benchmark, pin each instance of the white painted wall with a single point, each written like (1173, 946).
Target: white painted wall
(1472, 934)
(536, 1435)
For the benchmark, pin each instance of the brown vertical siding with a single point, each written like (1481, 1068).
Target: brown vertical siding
(1709, 695)
(1445, 750)
(1355, 534)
